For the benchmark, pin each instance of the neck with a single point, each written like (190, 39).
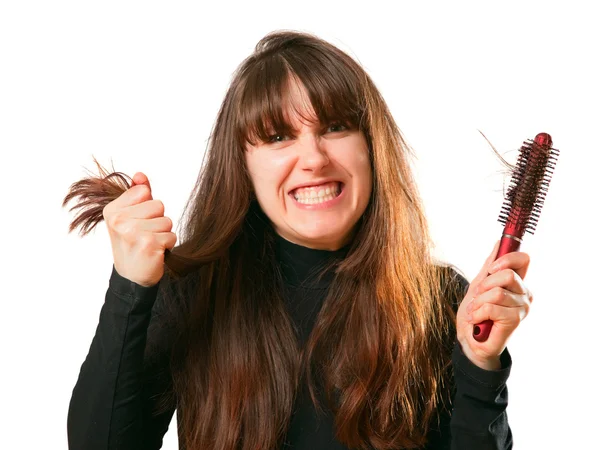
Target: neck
(302, 265)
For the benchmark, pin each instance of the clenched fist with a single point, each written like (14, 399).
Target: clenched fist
(497, 293)
(139, 233)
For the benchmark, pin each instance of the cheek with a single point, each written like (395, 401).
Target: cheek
(366, 182)
(358, 163)
(363, 165)
(363, 175)
(269, 174)
(363, 161)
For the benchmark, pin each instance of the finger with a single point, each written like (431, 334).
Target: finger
(484, 270)
(498, 314)
(132, 196)
(517, 261)
(140, 194)
(140, 178)
(146, 210)
(156, 225)
(506, 278)
(498, 296)
(166, 240)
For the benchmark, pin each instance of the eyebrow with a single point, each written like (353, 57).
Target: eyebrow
(313, 124)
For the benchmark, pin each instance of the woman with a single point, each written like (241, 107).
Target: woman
(302, 307)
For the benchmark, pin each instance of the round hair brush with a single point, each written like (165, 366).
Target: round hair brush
(523, 201)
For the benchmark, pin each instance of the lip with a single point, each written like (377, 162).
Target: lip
(324, 205)
(315, 183)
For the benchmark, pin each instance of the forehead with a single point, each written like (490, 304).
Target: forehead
(296, 106)
(278, 96)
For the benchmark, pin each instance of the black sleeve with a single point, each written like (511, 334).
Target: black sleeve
(479, 408)
(113, 405)
(477, 418)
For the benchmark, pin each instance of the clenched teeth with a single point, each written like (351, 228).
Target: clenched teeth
(317, 194)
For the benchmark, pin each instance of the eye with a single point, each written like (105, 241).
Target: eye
(336, 127)
(277, 138)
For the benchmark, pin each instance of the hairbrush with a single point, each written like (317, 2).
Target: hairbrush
(523, 202)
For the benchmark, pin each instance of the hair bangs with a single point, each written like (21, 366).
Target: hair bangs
(266, 108)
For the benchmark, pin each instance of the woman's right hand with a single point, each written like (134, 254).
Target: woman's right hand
(139, 233)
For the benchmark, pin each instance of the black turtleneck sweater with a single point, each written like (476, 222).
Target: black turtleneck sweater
(111, 406)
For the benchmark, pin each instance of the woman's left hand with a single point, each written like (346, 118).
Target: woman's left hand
(501, 297)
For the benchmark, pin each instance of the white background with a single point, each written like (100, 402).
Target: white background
(141, 83)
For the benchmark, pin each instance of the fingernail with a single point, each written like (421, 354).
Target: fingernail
(470, 306)
(470, 318)
(494, 267)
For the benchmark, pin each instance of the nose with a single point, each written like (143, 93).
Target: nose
(313, 156)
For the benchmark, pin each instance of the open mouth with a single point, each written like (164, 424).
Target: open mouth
(315, 195)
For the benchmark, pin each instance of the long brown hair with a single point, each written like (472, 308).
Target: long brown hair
(380, 348)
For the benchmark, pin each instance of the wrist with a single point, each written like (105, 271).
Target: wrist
(485, 363)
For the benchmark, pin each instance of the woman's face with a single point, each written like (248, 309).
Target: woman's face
(297, 179)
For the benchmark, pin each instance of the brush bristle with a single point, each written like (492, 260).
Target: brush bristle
(529, 184)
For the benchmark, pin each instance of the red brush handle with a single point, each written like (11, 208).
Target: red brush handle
(508, 244)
